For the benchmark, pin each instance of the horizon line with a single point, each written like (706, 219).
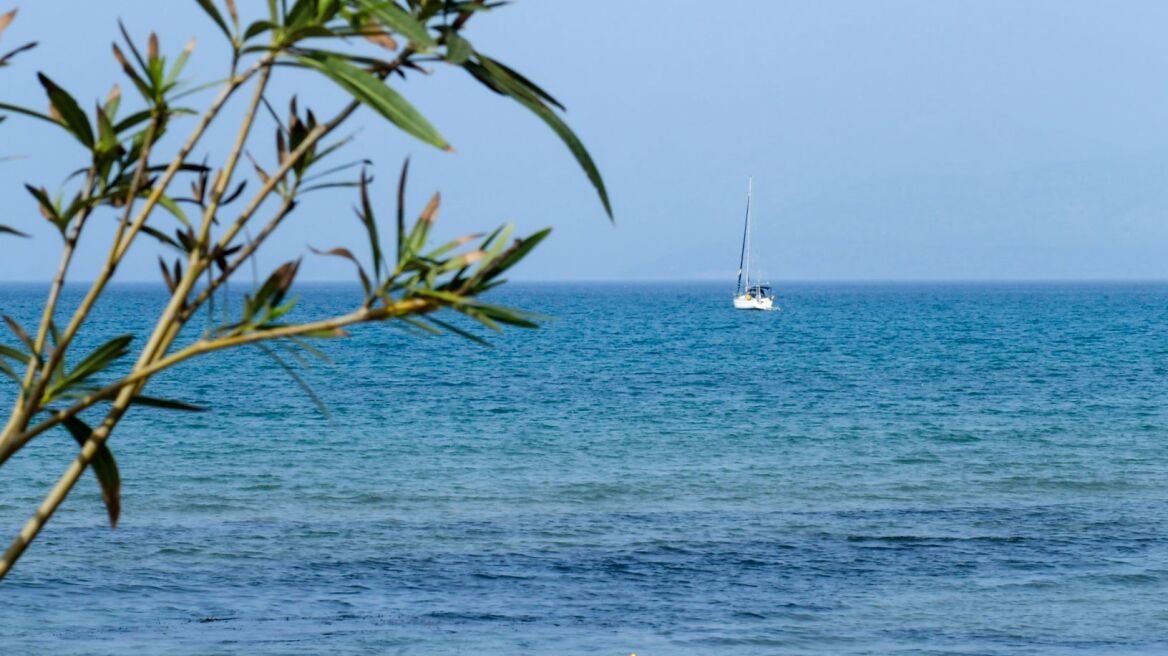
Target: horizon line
(780, 281)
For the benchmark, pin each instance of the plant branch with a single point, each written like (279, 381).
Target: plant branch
(17, 416)
(58, 353)
(364, 315)
(123, 245)
(128, 386)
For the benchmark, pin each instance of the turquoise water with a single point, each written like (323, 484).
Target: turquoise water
(925, 469)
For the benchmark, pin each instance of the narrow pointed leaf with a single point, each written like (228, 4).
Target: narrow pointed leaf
(8, 372)
(451, 245)
(105, 468)
(167, 404)
(458, 49)
(296, 377)
(209, 7)
(348, 255)
(370, 223)
(28, 112)
(161, 237)
(516, 253)
(401, 209)
(72, 116)
(497, 77)
(531, 86)
(98, 360)
(8, 351)
(20, 333)
(377, 95)
(6, 20)
(168, 203)
(399, 20)
(317, 353)
(460, 332)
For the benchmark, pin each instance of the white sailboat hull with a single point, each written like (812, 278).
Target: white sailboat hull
(745, 302)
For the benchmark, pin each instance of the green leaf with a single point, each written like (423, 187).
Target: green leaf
(458, 49)
(299, 13)
(8, 351)
(377, 95)
(12, 231)
(399, 20)
(459, 331)
(300, 382)
(168, 203)
(507, 315)
(72, 117)
(451, 245)
(97, 361)
(180, 63)
(105, 468)
(9, 373)
(417, 237)
(20, 333)
(312, 350)
(28, 112)
(401, 209)
(167, 404)
(513, 255)
(525, 82)
(209, 7)
(133, 120)
(6, 57)
(161, 237)
(366, 216)
(498, 78)
(47, 207)
(105, 130)
(257, 28)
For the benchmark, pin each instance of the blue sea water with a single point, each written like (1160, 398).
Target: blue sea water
(909, 469)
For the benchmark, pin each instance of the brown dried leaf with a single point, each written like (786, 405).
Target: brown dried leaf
(120, 57)
(376, 35)
(473, 256)
(430, 213)
(6, 20)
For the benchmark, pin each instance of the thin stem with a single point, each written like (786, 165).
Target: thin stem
(128, 386)
(207, 293)
(58, 353)
(397, 309)
(151, 359)
(157, 342)
(17, 418)
(120, 248)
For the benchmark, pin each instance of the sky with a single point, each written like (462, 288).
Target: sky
(891, 140)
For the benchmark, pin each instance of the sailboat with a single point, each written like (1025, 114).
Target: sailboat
(750, 295)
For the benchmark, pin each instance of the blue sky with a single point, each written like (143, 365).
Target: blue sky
(887, 140)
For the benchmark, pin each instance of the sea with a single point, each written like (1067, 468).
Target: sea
(892, 468)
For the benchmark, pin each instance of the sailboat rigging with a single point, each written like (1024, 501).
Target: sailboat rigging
(756, 295)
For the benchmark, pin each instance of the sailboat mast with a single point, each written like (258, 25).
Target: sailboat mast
(749, 185)
(745, 233)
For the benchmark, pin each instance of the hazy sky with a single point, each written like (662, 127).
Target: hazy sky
(887, 139)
